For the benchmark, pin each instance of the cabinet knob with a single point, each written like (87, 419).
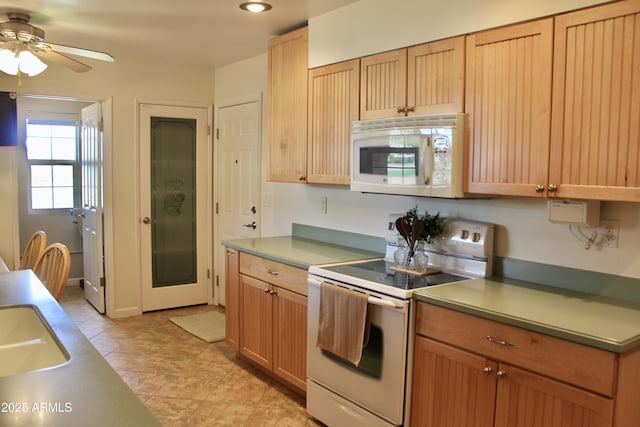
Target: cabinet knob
(539, 188)
(405, 109)
(266, 290)
(487, 370)
(501, 374)
(552, 188)
(273, 273)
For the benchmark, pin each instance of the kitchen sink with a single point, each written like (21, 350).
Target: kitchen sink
(27, 342)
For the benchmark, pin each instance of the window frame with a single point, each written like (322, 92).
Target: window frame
(54, 119)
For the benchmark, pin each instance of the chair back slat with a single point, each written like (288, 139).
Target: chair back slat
(52, 268)
(34, 248)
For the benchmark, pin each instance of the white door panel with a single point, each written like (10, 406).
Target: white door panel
(238, 168)
(91, 140)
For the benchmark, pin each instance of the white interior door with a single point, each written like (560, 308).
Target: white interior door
(91, 139)
(174, 205)
(238, 177)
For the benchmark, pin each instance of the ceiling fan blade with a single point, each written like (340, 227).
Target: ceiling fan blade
(93, 54)
(61, 59)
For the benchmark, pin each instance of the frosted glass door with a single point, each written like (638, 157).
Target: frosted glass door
(175, 206)
(173, 202)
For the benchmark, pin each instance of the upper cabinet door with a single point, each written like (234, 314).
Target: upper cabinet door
(333, 105)
(383, 84)
(508, 101)
(288, 67)
(435, 77)
(596, 103)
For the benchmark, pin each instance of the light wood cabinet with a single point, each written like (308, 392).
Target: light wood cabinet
(450, 387)
(427, 79)
(473, 371)
(333, 105)
(596, 103)
(273, 318)
(508, 101)
(287, 105)
(231, 288)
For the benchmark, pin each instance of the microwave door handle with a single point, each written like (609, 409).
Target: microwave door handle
(427, 163)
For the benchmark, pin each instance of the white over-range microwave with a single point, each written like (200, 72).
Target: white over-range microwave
(414, 155)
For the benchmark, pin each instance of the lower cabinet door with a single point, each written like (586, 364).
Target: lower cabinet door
(256, 321)
(290, 337)
(526, 399)
(451, 387)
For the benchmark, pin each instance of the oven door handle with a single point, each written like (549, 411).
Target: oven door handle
(372, 300)
(383, 302)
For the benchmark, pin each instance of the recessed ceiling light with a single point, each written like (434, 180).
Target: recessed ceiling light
(255, 6)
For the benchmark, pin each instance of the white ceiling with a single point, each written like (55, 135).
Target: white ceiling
(207, 33)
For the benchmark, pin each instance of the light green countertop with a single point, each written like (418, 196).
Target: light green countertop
(85, 391)
(299, 252)
(598, 321)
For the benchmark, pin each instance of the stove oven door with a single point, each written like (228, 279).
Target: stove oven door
(378, 383)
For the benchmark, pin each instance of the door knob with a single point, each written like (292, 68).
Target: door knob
(146, 220)
(251, 225)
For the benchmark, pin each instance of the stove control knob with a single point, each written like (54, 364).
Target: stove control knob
(465, 234)
(476, 237)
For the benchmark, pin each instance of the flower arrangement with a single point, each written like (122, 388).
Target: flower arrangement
(433, 224)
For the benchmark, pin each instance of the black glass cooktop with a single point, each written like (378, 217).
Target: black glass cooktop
(379, 271)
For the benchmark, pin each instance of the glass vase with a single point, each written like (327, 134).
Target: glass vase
(420, 259)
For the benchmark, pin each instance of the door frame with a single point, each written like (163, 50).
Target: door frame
(209, 195)
(218, 262)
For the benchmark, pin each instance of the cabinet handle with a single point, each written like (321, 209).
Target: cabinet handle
(272, 291)
(552, 188)
(487, 370)
(405, 109)
(496, 341)
(501, 374)
(266, 290)
(252, 224)
(302, 178)
(273, 273)
(539, 188)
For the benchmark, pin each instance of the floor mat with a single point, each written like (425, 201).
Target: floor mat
(208, 326)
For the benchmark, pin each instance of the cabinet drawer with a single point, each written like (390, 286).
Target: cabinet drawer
(276, 273)
(584, 366)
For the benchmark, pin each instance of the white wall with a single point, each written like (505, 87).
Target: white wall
(9, 237)
(125, 81)
(523, 231)
(371, 26)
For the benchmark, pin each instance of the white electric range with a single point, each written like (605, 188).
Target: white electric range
(377, 391)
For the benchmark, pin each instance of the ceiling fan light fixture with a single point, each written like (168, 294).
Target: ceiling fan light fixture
(255, 6)
(9, 62)
(30, 64)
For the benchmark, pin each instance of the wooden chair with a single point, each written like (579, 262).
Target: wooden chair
(52, 268)
(34, 248)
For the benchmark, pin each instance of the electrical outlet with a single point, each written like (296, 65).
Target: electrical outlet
(608, 233)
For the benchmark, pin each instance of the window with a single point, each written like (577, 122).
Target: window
(52, 155)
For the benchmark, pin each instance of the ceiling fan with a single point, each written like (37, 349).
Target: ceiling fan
(18, 36)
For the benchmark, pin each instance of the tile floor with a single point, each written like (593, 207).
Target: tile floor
(183, 380)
